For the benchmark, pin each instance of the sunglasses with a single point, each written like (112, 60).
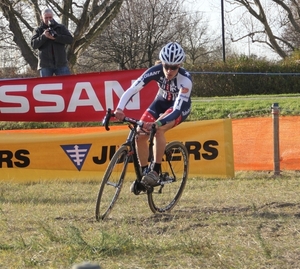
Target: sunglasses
(171, 67)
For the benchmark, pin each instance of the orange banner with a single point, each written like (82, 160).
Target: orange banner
(84, 153)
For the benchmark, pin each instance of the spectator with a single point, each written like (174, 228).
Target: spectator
(50, 38)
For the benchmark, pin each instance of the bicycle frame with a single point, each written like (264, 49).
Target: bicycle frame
(173, 175)
(130, 141)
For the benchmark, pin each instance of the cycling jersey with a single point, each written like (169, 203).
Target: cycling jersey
(173, 95)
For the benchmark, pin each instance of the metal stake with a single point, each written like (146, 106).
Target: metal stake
(275, 117)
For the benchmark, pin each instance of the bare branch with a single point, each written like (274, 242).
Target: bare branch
(256, 9)
(87, 17)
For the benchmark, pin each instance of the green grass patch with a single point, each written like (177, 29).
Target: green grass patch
(251, 221)
(244, 106)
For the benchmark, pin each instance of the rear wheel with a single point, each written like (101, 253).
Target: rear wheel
(174, 173)
(112, 183)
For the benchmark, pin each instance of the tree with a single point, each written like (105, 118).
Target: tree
(275, 17)
(201, 46)
(134, 38)
(289, 32)
(136, 35)
(85, 18)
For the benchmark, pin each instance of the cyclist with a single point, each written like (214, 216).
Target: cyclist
(170, 107)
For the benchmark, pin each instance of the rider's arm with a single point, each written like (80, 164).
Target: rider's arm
(119, 114)
(183, 96)
(151, 74)
(129, 93)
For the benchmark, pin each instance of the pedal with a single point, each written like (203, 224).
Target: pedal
(138, 187)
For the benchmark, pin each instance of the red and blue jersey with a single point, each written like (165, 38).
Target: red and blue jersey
(174, 93)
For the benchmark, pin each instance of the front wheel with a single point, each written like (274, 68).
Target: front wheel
(112, 183)
(174, 173)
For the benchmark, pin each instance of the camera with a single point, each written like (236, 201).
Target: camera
(50, 28)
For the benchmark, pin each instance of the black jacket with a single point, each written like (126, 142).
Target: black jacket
(52, 53)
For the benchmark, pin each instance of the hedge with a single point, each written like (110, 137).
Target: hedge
(245, 77)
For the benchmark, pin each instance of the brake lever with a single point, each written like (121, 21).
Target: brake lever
(106, 119)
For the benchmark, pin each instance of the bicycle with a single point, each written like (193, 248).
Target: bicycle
(173, 175)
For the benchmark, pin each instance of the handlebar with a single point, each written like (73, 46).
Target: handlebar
(106, 119)
(139, 123)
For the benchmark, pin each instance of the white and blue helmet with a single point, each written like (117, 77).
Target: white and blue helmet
(172, 54)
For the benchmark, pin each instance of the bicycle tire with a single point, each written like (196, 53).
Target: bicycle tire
(175, 164)
(112, 183)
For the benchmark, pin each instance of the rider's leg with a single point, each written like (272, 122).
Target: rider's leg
(159, 145)
(160, 142)
(142, 144)
(142, 149)
(158, 151)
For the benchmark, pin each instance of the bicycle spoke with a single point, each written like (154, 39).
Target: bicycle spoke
(174, 176)
(112, 183)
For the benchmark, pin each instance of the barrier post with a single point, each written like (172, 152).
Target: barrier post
(275, 117)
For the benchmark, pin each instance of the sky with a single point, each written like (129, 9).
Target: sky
(212, 11)
(210, 8)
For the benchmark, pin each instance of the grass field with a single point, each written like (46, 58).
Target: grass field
(251, 221)
(244, 106)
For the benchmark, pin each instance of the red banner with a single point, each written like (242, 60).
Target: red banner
(83, 97)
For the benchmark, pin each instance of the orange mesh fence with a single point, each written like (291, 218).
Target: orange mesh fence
(253, 143)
